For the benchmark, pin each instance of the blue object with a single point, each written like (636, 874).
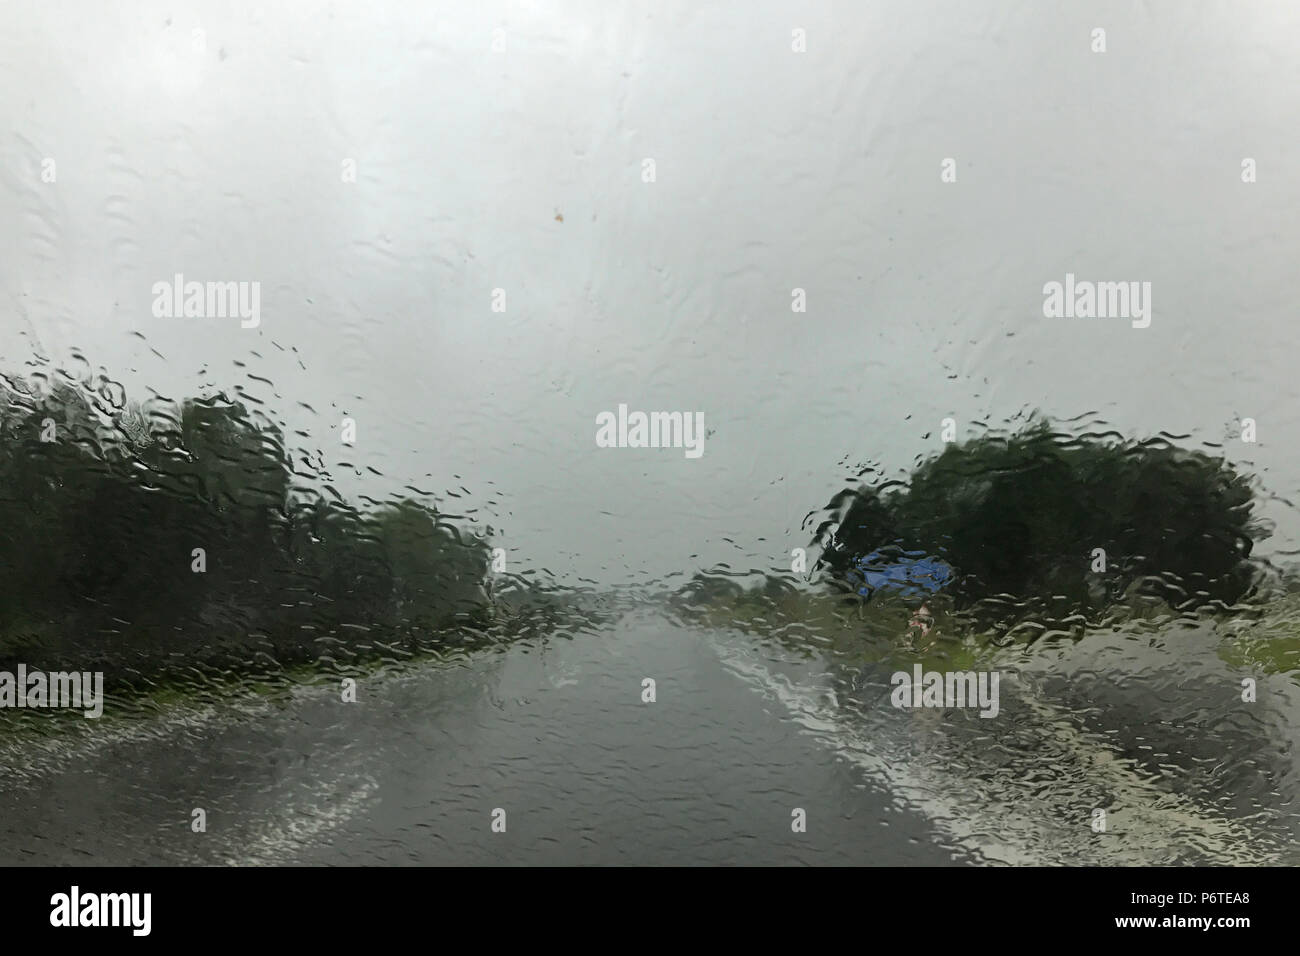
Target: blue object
(910, 573)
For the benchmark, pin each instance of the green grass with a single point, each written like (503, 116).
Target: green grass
(131, 699)
(812, 621)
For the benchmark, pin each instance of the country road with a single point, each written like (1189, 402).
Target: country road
(557, 735)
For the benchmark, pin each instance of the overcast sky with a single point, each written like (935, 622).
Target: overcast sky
(222, 154)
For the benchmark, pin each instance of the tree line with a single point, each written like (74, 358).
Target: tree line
(162, 535)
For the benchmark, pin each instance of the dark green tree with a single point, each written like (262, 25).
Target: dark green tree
(1020, 517)
(103, 503)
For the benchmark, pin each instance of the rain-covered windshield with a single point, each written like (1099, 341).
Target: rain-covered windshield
(657, 434)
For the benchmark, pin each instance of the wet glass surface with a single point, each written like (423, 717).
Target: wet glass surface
(504, 433)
